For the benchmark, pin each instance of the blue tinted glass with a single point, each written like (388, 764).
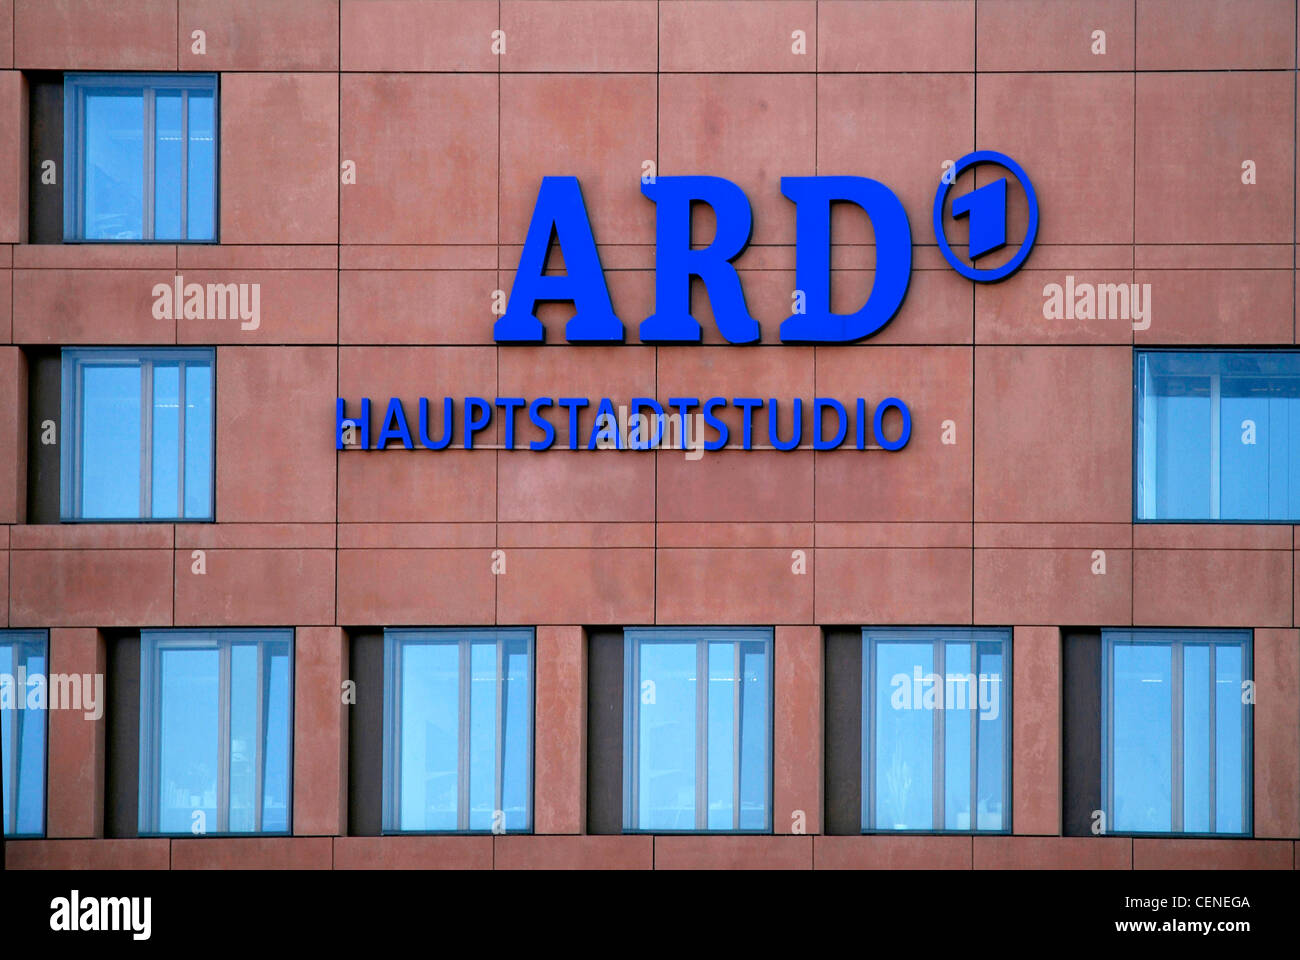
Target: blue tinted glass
(1229, 725)
(991, 750)
(462, 736)
(188, 738)
(516, 762)
(110, 440)
(755, 698)
(22, 733)
(103, 394)
(1196, 738)
(482, 734)
(215, 737)
(169, 142)
(430, 731)
(202, 167)
(276, 775)
(723, 694)
(698, 731)
(198, 439)
(112, 164)
(961, 699)
(166, 439)
(10, 694)
(1216, 431)
(666, 736)
(1142, 736)
(906, 695)
(141, 151)
(244, 745)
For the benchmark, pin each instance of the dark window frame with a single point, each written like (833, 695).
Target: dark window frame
(18, 637)
(1135, 448)
(939, 636)
(75, 83)
(71, 403)
(153, 641)
(1179, 639)
(633, 637)
(394, 639)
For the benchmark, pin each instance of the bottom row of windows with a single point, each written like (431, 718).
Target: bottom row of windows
(918, 730)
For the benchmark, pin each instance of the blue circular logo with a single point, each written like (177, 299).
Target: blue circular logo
(994, 274)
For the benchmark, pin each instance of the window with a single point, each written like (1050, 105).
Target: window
(458, 731)
(935, 722)
(22, 731)
(1176, 735)
(140, 155)
(698, 730)
(139, 429)
(1218, 435)
(216, 708)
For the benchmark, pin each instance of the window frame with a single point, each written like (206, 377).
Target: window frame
(18, 638)
(75, 85)
(1136, 448)
(153, 642)
(1178, 639)
(939, 637)
(633, 637)
(395, 639)
(72, 400)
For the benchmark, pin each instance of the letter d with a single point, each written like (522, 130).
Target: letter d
(813, 197)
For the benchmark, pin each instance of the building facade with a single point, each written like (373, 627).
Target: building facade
(321, 562)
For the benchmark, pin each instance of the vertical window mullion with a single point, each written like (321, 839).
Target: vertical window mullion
(259, 739)
(223, 738)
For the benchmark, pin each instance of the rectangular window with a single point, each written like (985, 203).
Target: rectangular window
(697, 730)
(1176, 734)
(1218, 435)
(458, 731)
(140, 157)
(22, 731)
(935, 729)
(216, 714)
(138, 428)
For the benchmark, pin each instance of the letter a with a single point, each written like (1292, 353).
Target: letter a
(559, 213)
